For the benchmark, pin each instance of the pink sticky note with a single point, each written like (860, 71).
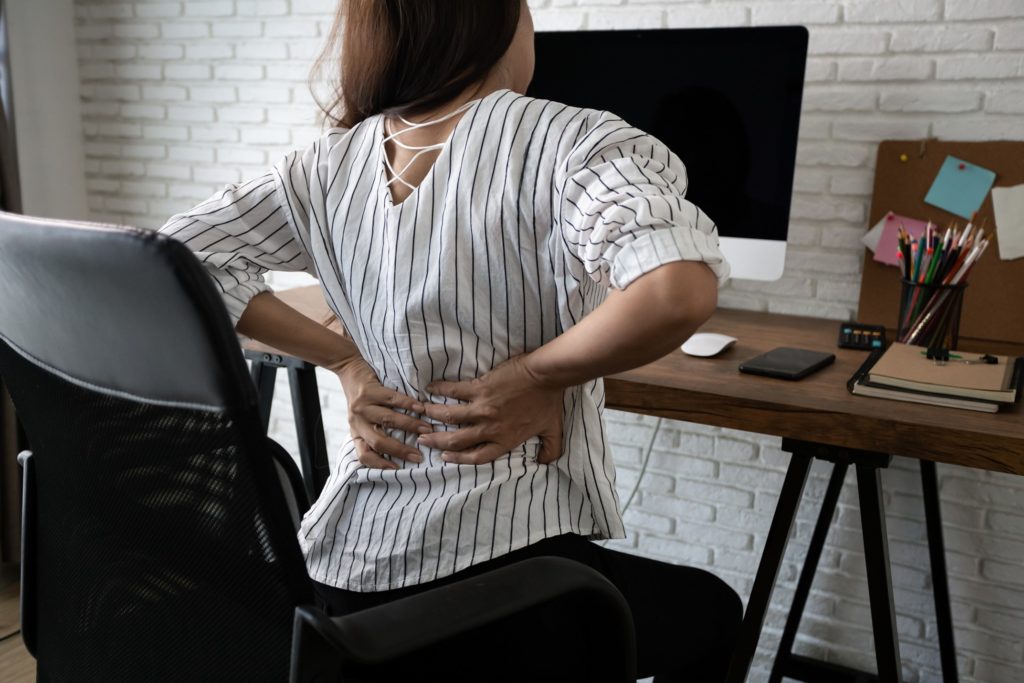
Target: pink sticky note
(888, 250)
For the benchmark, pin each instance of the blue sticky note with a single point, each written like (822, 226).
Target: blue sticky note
(960, 187)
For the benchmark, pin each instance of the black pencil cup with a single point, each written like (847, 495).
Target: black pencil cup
(930, 314)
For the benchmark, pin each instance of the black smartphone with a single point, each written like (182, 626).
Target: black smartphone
(787, 363)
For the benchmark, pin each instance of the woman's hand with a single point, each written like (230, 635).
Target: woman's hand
(373, 407)
(503, 409)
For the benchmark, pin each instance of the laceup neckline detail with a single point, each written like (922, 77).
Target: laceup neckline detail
(384, 136)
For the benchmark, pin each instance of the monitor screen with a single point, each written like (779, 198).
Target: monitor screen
(727, 101)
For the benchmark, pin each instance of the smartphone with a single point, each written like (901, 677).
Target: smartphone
(787, 363)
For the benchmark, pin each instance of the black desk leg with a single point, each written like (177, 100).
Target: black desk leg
(940, 584)
(263, 376)
(310, 427)
(768, 568)
(876, 556)
(803, 587)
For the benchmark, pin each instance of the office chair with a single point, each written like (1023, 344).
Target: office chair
(159, 523)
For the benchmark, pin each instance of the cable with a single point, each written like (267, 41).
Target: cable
(643, 465)
(643, 470)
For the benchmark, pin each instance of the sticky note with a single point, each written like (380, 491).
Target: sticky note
(1008, 203)
(888, 251)
(960, 187)
(871, 237)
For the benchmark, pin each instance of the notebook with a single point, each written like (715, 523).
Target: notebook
(907, 367)
(860, 386)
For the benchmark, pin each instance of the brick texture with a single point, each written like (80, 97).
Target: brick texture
(180, 97)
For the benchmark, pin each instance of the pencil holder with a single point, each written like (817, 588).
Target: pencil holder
(930, 314)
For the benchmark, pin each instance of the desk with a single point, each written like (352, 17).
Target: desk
(818, 408)
(816, 417)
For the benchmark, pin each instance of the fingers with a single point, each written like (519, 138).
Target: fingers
(385, 445)
(389, 419)
(397, 399)
(480, 455)
(457, 440)
(464, 391)
(459, 414)
(550, 446)
(394, 399)
(370, 458)
(452, 415)
(551, 440)
(465, 414)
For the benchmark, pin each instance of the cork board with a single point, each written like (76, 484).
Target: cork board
(994, 300)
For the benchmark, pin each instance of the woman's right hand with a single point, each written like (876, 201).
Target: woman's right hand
(372, 407)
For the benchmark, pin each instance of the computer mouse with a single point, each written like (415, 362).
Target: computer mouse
(707, 344)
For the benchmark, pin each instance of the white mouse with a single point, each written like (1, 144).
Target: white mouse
(707, 344)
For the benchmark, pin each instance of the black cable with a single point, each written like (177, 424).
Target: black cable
(10, 635)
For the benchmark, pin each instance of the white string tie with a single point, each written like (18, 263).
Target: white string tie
(422, 149)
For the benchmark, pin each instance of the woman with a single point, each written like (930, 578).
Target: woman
(467, 236)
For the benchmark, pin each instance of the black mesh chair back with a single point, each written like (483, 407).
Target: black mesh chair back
(159, 538)
(160, 546)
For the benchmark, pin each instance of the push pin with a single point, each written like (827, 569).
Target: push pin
(904, 158)
(962, 166)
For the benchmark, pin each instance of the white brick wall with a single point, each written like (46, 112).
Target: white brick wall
(181, 97)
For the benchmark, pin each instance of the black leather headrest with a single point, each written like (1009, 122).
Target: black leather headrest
(120, 309)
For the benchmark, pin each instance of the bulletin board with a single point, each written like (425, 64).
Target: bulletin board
(993, 308)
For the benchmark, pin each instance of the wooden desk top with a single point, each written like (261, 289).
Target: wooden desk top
(819, 408)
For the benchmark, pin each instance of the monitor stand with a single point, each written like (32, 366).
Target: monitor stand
(754, 259)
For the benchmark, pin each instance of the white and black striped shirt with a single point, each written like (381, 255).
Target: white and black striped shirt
(532, 210)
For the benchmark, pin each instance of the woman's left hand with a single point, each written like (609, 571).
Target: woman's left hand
(502, 409)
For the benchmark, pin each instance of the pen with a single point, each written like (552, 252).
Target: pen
(963, 237)
(936, 303)
(905, 250)
(933, 267)
(925, 263)
(949, 255)
(970, 266)
(962, 254)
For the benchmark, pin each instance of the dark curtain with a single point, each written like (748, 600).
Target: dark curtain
(10, 436)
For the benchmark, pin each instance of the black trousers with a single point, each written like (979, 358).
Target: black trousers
(686, 622)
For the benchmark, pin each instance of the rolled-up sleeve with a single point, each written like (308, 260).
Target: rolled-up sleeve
(623, 207)
(245, 230)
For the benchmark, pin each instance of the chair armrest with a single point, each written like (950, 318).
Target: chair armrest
(442, 613)
(290, 478)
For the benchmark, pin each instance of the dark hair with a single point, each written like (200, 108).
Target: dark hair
(406, 56)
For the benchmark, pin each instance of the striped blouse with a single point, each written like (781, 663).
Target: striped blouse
(532, 210)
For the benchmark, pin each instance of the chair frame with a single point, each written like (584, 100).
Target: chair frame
(323, 646)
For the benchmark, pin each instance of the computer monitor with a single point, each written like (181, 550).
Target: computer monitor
(727, 101)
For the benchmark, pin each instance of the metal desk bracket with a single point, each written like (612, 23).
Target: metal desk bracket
(305, 407)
